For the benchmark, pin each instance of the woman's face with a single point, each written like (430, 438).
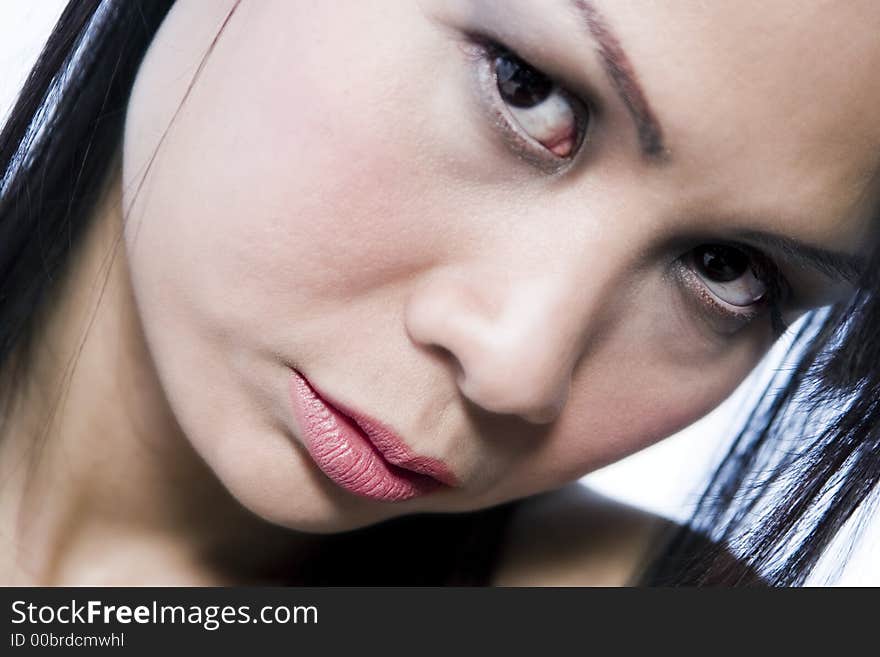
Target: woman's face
(528, 237)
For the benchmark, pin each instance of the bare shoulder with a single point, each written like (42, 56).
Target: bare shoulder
(577, 537)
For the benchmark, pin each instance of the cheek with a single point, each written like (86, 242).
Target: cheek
(630, 395)
(278, 193)
(276, 218)
(275, 189)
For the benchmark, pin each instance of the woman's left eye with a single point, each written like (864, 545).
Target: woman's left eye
(729, 274)
(734, 284)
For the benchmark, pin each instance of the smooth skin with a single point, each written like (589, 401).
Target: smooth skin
(334, 196)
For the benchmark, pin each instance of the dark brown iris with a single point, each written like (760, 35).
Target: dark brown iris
(520, 85)
(721, 263)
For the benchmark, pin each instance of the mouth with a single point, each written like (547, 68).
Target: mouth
(359, 453)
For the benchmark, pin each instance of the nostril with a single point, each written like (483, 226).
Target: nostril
(493, 338)
(508, 392)
(547, 414)
(447, 358)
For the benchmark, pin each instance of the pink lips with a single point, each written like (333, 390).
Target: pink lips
(359, 453)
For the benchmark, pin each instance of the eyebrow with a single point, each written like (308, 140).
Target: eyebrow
(833, 264)
(846, 267)
(625, 82)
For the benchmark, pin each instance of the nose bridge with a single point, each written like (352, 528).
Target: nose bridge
(516, 332)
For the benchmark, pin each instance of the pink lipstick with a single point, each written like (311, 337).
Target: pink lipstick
(361, 454)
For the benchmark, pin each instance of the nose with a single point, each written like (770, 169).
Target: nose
(516, 337)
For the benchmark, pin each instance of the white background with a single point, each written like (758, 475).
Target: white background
(665, 478)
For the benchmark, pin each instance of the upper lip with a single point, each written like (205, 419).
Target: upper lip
(391, 446)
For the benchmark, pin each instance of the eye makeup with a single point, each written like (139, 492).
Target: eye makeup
(729, 318)
(484, 55)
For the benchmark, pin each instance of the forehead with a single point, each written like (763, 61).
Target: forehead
(779, 101)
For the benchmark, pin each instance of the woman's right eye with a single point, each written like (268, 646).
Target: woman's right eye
(536, 109)
(540, 107)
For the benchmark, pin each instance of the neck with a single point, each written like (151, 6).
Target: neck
(96, 477)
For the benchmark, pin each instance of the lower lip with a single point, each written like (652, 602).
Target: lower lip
(344, 453)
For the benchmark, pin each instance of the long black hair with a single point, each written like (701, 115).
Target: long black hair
(56, 149)
(787, 486)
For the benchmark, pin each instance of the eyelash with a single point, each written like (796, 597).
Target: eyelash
(763, 267)
(484, 51)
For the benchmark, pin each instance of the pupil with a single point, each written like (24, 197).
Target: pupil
(519, 84)
(722, 264)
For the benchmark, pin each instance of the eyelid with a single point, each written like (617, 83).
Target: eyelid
(566, 69)
(727, 318)
(481, 51)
